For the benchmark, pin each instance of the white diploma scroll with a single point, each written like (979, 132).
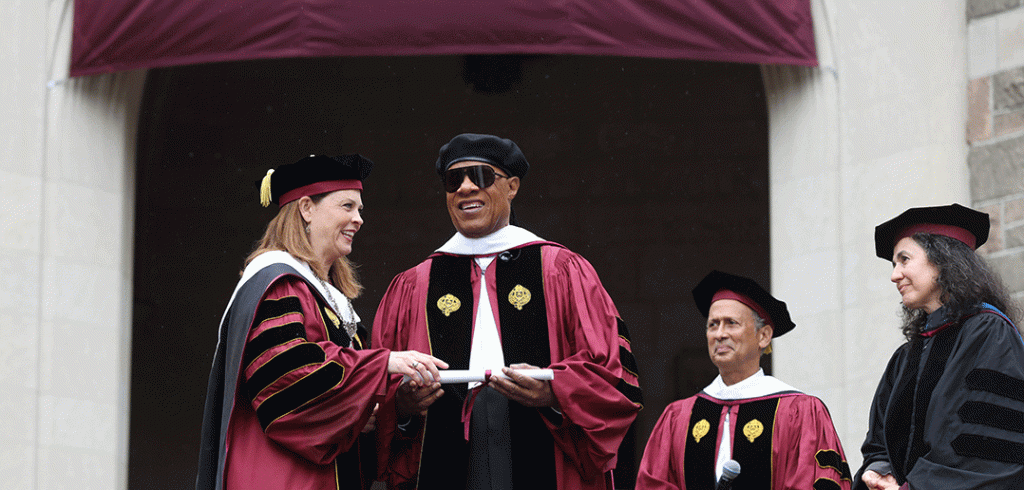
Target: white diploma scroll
(478, 376)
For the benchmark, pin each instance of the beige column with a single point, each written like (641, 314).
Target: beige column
(66, 183)
(876, 128)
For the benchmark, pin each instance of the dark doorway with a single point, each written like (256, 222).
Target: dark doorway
(655, 170)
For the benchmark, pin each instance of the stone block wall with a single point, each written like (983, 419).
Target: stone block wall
(995, 131)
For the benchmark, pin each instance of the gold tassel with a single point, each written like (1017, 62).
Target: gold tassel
(768, 350)
(265, 189)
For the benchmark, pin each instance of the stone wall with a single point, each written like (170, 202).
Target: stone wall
(995, 130)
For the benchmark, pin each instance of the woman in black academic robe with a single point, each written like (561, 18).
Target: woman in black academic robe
(949, 411)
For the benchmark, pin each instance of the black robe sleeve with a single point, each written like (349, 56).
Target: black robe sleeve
(875, 456)
(970, 432)
(974, 431)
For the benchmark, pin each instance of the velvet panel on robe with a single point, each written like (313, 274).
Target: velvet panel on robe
(590, 381)
(805, 450)
(300, 398)
(971, 428)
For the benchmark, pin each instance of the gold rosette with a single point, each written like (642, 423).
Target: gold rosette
(448, 304)
(519, 296)
(753, 429)
(700, 429)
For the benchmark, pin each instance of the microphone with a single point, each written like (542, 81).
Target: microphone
(730, 470)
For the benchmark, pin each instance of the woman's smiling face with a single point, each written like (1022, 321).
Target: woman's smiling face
(915, 276)
(333, 223)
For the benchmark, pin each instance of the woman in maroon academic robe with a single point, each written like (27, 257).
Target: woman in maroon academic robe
(294, 384)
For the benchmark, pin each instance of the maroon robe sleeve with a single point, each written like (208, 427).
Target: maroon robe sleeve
(311, 395)
(590, 382)
(400, 325)
(807, 449)
(661, 467)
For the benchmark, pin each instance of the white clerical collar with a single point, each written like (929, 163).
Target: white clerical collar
(272, 257)
(756, 385)
(499, 241)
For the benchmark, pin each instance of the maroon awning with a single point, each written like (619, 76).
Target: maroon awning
(114, 35)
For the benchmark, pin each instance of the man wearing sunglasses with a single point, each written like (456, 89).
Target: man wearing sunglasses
(498, 299)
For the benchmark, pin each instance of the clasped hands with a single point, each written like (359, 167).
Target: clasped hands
(876, 481)
(416, 391)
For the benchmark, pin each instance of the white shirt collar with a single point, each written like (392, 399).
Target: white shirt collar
(756, 385)
(499, 241)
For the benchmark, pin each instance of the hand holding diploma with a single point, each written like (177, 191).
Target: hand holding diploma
(417, 367)
(517, 385)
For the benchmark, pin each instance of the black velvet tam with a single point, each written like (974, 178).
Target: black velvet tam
(317, 168)
(500, 152)
(955, 221)
(717, 281)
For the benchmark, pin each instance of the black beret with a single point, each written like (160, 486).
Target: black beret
(332, 173)
(955, 221)
(772, 311)
(500, 152)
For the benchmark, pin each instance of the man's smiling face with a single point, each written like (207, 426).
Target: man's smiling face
(477, 212)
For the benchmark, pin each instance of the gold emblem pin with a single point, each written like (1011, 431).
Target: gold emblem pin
(332, 317)
(448, 304)
(519, 296)
(700, 429)
(753, 429)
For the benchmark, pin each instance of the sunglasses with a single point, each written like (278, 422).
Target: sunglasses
(481, 176)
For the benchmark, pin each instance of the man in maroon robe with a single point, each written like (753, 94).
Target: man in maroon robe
(498, 298)
(782, 439)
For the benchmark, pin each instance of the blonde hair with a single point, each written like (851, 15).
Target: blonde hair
(287, 232)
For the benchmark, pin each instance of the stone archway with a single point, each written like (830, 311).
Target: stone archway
(655, 170)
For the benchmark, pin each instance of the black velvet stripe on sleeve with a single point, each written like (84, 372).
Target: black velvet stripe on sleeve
(996, 382)
(825, 484)
(625, 356)
(270, 338)
(973, 412)
(991, 448)
(633, 393)
(830, 458)
(299, 393)
(276, 308)
(282, 364)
